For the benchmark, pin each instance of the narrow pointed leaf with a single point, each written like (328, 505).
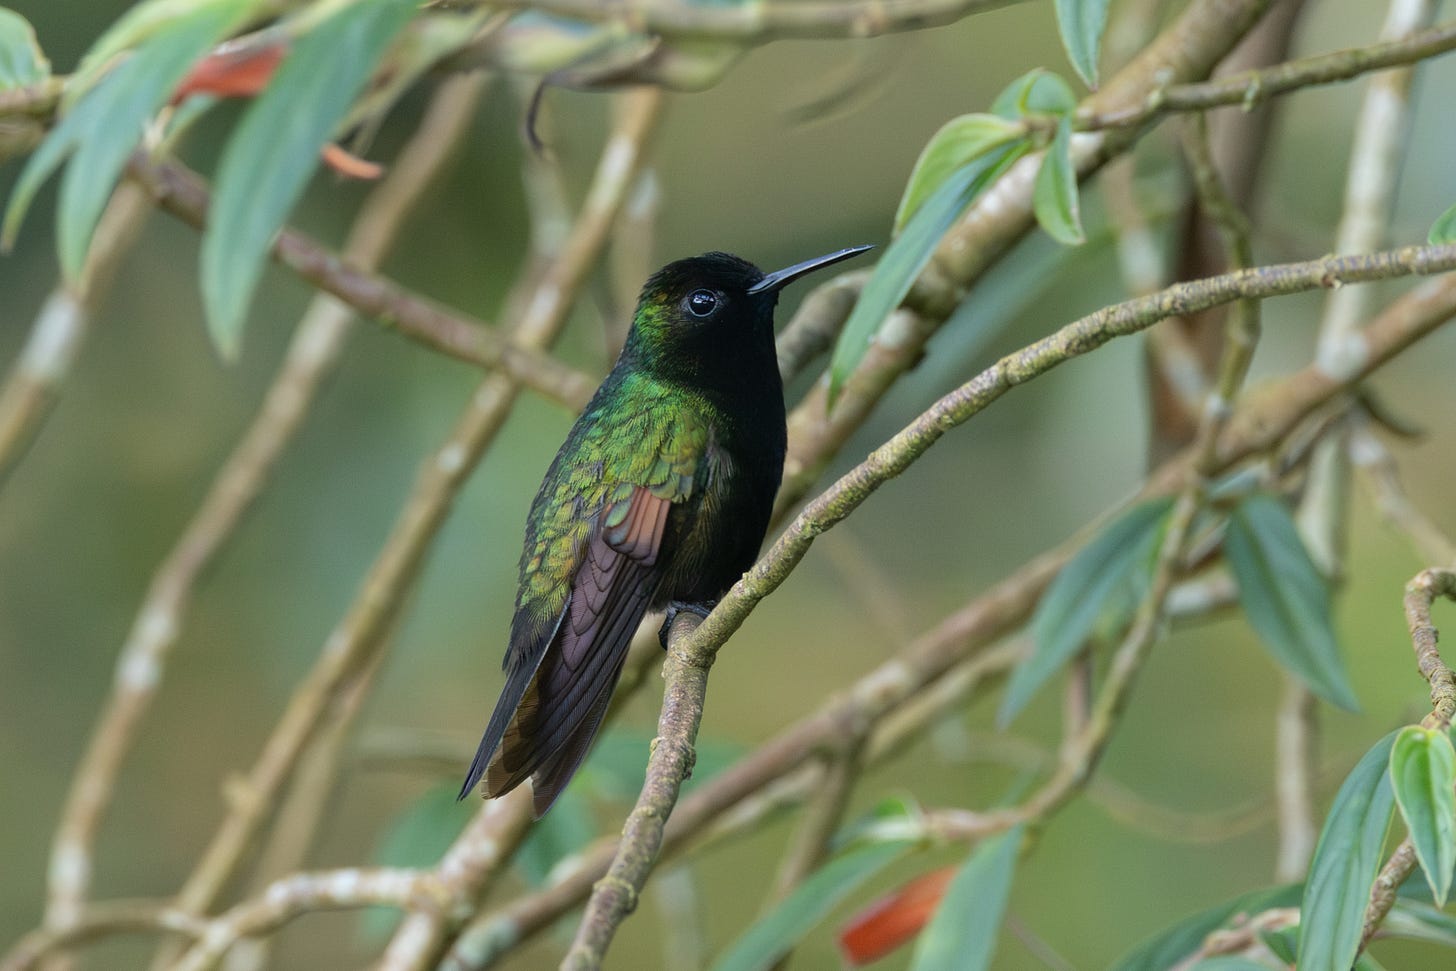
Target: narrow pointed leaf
(134, 29)
(1346, 860)
(104, 127)
(1172, 946)
(275, 149)
(1443, 230)
(1081, 23)
(1054, 197)
(1109, 573)
(775, 934)
(1231, 962)
(1423, 772)
(909, 253)
(958, 142)
(1415, 921)
(962, 934)
(1285, 597)
(142, 84)
(21, 61)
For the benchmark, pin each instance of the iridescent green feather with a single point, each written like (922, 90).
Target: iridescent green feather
(637, 432)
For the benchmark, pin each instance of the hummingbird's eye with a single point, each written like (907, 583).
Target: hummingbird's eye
(701, 303)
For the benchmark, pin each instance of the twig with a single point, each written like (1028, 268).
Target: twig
(180, 192)
(1252, 87)
(98, 922)
(358, 634)
(615, 895)
(33, 384)
(302, 893)
(766, 21)
(1420, 594)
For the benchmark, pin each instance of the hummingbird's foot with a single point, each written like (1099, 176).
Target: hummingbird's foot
(676, 607)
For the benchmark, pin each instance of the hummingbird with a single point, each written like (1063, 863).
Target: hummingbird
(659, 498)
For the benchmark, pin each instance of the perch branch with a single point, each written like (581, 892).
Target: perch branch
(181, 193)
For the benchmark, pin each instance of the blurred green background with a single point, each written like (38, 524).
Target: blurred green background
(149, 413)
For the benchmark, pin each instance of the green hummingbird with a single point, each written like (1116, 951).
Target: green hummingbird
(660, 497)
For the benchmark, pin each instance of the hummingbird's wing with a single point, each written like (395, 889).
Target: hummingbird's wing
(556, 694)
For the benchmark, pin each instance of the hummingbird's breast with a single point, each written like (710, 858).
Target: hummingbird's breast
(718, 535)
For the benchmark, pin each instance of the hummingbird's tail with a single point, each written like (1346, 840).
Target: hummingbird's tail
(547, 723)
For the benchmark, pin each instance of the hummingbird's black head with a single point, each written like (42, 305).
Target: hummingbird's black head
(712, 314)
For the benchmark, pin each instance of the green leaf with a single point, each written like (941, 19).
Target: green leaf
(908, 254)
(1423, 772)
(1173, 945)
(1081, 23)
(962, 934)
(959, 142)
(1443, 230)
(132, 29)
(1420, 922)
(565, 830)
(105, 126)
(276, 147)
(1054, 196)
(1285, 597)
(21, 61)
(1108, 574)
(773, 935)
(1230, 962)
(1346, 860)
(418, 837)
(1037, 92)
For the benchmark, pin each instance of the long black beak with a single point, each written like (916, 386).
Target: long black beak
(779, 279)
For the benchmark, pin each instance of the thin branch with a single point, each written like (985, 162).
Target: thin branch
(302, 893)
(98, 922)
(615, 895)
(33, 385)
(764, 21)
(1253, 87)
(180, 192)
